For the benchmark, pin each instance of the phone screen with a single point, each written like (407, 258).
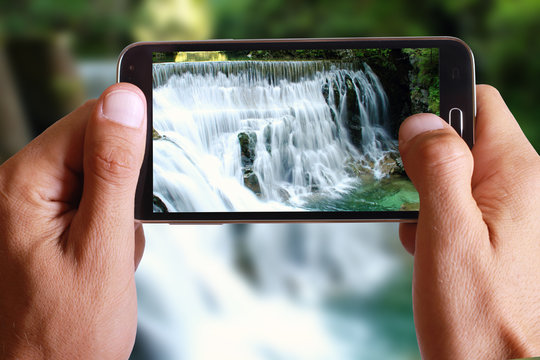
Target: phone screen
(286, 130)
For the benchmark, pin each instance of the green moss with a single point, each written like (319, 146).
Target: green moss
(155, 135)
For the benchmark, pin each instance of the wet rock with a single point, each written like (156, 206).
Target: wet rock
(354, 120)
(410, 206)
(159, 205)
(365, 169)
(267, 137)
(248, 141)
(155, 135)
(311, 182)
(244, 260)
(399, 168)
(388, 166)
(251, 181)
(284, 194)
(325, 91)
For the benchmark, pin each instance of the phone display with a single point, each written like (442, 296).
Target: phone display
(290, 130)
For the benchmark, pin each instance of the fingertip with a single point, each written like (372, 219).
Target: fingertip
(115, 135)
(140, 242)
(418, 124)
(426, 143)
(125, 87)
(440, 165)
(407, 236)
(487, 91)
(123, 105)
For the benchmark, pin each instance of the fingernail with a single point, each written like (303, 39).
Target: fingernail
(417, 124)
(124, 107)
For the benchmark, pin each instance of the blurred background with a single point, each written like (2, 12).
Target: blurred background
(257, 291)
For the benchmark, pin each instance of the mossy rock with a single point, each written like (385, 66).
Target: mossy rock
(410, 206)
(251, 181)
(248, 141)
(267, 135)
(159, 205)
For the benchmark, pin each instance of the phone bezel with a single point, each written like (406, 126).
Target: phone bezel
(457, 90)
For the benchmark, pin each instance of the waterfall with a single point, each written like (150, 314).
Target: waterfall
(197, 301)
(264, 135)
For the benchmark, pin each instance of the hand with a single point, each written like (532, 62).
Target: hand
(68, 243)
(476, 281)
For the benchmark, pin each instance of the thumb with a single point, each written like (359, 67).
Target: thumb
(440, 165)
(113, 152)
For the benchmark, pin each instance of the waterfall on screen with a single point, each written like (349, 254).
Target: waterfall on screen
(264, 135)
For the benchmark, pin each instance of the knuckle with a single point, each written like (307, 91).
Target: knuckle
(113, 161)
(14, 184)
(443, 153)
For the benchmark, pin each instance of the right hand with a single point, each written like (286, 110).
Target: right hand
(476, 281)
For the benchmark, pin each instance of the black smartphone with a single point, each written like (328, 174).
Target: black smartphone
(289, 130)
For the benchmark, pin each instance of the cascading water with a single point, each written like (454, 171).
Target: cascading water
(280, 291)
(264, 135)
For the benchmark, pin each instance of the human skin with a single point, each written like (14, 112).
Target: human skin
(68, 242)
(69, 247)
(476, 245)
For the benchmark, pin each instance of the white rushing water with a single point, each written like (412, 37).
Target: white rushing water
(263, 135)
(199, 299)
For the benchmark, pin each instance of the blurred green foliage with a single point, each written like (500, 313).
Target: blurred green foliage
(503, 34)
(97, 28)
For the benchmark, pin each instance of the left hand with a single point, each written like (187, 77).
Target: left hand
(69, 245)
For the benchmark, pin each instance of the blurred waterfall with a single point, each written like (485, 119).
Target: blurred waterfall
(260, 292)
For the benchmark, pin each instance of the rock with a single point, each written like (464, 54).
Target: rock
(311, 182)
(284, 194)
(244, 261)
(399, 168)
(159, 205)
(251, 181)
(155, 135)
(388, 166)
(267, 136)
(248, 141)
(410, 206)
(354, 121)
(325, 91)
(392, 164)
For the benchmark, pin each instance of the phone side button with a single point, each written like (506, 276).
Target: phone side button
(455, 118)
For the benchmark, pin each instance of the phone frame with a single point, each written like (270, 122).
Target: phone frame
(457, 90)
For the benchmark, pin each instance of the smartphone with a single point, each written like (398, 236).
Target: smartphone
(290, 130)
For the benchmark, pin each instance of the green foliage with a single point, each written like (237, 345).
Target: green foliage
(503, 34)
(163, 57)
(424, 80)
(376, 57)
(95, 27)
(288, 54)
